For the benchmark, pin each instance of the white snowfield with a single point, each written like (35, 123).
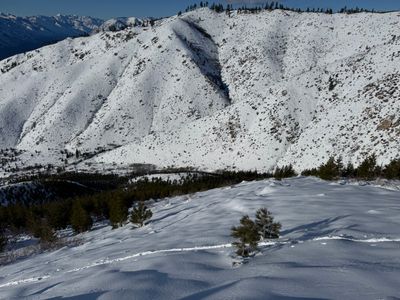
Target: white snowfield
(250, 91)
(338, 242)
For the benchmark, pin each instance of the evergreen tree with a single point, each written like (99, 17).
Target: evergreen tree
(40, 228)
(80, 218)
(140, 214)
(3, 239)
(331, 169)
(45, 233)
(118, 211)
(58, 214)
(349, 171)
(367, 169)
(267, 228)
(392, 170)
(247, 235)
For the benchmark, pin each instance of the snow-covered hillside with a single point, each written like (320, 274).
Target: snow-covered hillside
(338, 242)
(246, 91)
(20, 34)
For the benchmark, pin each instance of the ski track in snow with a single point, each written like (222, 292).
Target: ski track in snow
(192, 249)
(372, 240)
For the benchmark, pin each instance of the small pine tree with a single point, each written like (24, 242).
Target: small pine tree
(140, 214)
(267, 228)
(80, 219)
(247, 235)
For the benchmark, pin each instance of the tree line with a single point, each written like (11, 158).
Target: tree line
(220, 8)
(334, 168)
(110, 197)
(42, 219)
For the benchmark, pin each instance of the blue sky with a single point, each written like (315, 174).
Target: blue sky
(113, 8)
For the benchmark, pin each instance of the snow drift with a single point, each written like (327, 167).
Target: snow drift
(338, 242)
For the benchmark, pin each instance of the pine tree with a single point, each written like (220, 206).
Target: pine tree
(3, 239)
(80, 219)
(392, 170)
(140, 214)
(349, 171)
(367, 169)
(46, 234)
(330, 169)
(267, 228)
(247, 236)
(118, 211)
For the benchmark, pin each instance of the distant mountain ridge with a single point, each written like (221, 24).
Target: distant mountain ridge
(117, 24)
(21, 34)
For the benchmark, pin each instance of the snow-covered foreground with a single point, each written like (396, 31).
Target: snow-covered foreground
(338, 242)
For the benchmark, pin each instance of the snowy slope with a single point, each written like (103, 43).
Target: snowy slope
(338, 242)
(20, 34)
(248, 91)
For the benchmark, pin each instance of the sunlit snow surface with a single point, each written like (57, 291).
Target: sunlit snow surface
(338, 242)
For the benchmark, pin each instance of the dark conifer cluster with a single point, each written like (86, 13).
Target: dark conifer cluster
(284, 172)
(367, 170)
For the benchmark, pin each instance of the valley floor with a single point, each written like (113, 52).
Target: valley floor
(339, 241)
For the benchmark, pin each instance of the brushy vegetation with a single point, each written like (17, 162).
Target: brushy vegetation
(284, 172)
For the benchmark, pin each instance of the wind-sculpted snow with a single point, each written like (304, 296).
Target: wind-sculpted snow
(338, 241)
(207, 90)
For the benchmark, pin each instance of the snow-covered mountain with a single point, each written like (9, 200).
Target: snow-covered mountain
(337, 242)
(20, 34)
(117, 24)
(246, 91)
